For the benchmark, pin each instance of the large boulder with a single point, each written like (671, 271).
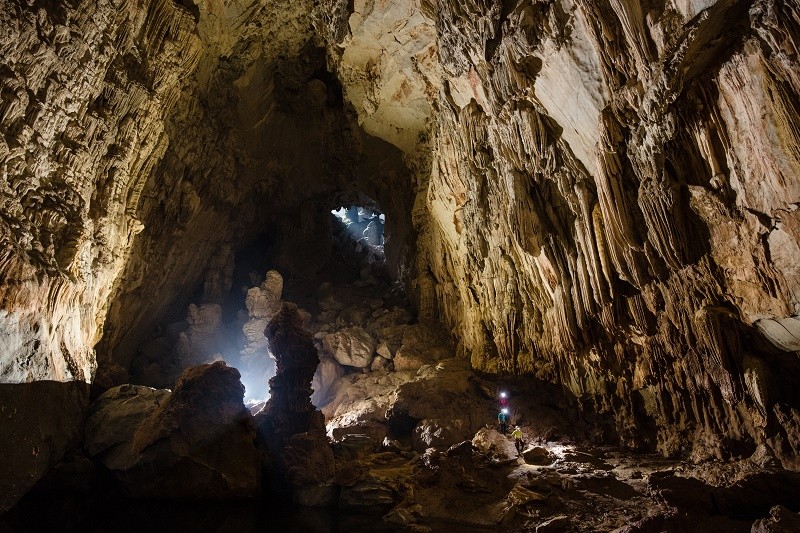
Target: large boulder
(328, 372)
(491, 442)
(350, 346)
(196, 443)
(538, 456)
(116, 415)
(39, 423)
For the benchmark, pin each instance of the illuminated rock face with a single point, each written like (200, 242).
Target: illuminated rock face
(609, 202)
(602, 194)
(84, 92)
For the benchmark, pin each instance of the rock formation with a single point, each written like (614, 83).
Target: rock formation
(605, 197)
(291, 428)
(597, 194)
(196, 442)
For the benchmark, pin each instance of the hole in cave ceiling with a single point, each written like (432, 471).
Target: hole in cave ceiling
(364, 227)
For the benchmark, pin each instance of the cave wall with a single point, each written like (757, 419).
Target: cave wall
(85, 87)
(608, 200)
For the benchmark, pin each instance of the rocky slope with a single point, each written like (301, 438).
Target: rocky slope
(600, 194)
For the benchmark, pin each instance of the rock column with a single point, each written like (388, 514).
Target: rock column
(292, 431)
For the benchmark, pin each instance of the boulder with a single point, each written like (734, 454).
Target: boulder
(39, 423)
(409, 360)
(391, 336)
(354, 446)
(196, 443)
(781, 520)
(355, 314)
(116, 415)
(492, 443)
(350, 346)
(398, 316)
(521, 495)
(405, 514)
(538, 456)
(379, 363)
(440, 434)
(384, 351)
(370, 495)
(328, 372)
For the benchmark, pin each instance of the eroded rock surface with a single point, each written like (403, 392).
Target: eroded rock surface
(606, 199)
(290, 427)
(196, 442)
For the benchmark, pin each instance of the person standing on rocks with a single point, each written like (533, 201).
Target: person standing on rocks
(502, 420)
(517, 436)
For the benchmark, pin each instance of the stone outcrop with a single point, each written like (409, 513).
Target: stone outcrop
(115, 416)
(290, 428)
(606, 196)
(81, 131)
(195, 443)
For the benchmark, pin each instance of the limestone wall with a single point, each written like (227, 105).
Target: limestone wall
(610, 203)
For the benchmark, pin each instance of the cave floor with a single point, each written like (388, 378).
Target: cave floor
(585, 488)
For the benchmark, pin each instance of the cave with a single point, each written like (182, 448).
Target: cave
(400, 266)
